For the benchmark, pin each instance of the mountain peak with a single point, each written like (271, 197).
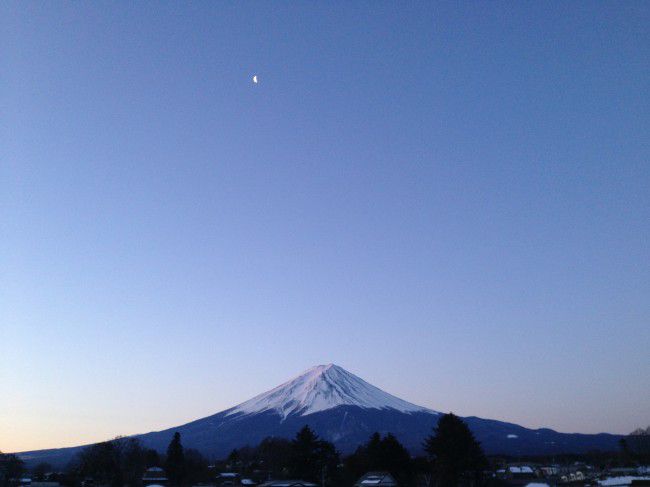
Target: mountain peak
(321, 368)
(320, 388)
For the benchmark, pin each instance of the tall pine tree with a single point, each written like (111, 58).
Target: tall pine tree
(374, 452)
(175, 461)
(312, 458)
(396, 459)
(304, 455)
(456, 456)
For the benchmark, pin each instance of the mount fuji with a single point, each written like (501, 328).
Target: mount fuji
(345, 410)
(321, 388)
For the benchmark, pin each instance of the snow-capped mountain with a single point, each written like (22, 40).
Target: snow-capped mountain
(345, 410)
(320, 388)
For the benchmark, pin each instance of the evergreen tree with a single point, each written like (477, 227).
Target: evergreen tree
(312, 458)
(327, 464)
(374, 453)
(304, 455)
(234, 459)
(396, 459)
(196, 468)
(381, 454)
(175, 461)
(355, 465)
(274, 455)
(456, 455)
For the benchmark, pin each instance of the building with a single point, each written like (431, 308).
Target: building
(378, 479)
(520, 472)
(154, 476)
(227, 479)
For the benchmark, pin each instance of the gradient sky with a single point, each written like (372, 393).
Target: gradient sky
(450, 200)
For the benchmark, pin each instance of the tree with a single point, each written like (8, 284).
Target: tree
(102, 462)
(355, 465)
(421, 468)
(626, 454)
(196, 467)
(175, 461)
(637, 445)
(11, 467)
(373, 452)
(274, 455)
(304, 460)
(132, 461)
(383, 454)
(395, 459)
(234, 459)
(327, 463)
(456, 456)
(312, 458)
(118, 462)
(151, 458)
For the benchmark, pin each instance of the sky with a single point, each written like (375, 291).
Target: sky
(450, 200)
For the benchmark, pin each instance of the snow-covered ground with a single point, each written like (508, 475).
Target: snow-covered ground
(320, 388)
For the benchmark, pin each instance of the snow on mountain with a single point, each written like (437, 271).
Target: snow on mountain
(320, 388)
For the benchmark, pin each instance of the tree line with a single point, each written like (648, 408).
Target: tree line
(453, 457)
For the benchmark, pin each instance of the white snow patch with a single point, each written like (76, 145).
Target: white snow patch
(320, 388)
(618, 481)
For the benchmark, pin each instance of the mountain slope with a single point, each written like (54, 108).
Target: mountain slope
(346, 410)
(320, 388)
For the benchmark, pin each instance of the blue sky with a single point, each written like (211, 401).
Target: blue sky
(448, 199)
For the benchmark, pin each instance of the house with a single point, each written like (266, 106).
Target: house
(227, 479)
(550, 470)
(154, 476)
(379, 479)
(520, 472)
